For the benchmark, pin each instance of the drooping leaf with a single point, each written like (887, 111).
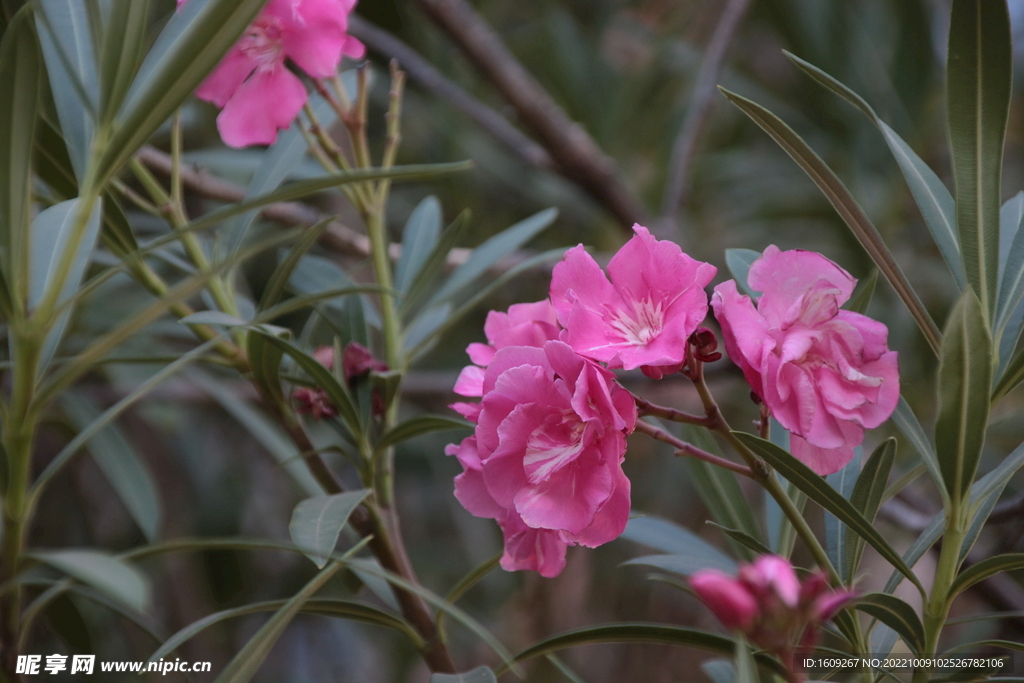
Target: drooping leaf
(481, 674)
(317, 523)
(896, 614)
(990, 566)
(102, 571)
(827, 497)
(121, 465)
(965, 378)
(978, 80)
(867, 497)
(421, 235)
(847, 207)
(932, 196)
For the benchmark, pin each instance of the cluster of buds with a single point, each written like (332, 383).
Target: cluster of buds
(704, 345)
(356, 361)
(768, 604)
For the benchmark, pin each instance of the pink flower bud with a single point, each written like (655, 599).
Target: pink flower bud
(772, 577)
(728, 598)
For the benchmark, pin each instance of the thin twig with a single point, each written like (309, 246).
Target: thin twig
(576, 153)
(685, 146)
(645, 407)
(424, 73)
(684, 448)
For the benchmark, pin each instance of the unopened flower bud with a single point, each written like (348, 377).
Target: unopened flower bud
(728, 598)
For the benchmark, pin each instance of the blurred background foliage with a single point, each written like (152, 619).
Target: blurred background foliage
(624, 70)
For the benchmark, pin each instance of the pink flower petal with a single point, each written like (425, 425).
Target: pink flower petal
(314, 36)
(729, 599)
(269, 101)
(782, 276)
(227, 77)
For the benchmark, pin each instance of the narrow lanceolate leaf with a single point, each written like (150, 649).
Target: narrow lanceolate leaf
(867, 497)
(846, 206)
(746, 668)
(688, 552)
(1011, 288)
(843, 482)
(932, 197)
(481, 674)
(422, 231)
(121, 465)
(824, 495)
(986, 568)
(641, 633)
(121, 52)
(243, 667)
(187, 49)
(317, 522)
(978, 75)
(102, 571)
(265, 361)
(20, 73)
(965, 376)
(906, 421)
(897, 615)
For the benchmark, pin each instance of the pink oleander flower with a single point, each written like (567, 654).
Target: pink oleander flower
(825, 374)
(644, 316)
(768, 604)
(258, 95)
(524, 325)
(545, 460)
(356, 361)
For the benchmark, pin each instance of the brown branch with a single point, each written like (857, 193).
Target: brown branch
(684, 448)
(697, 115)
(576, 153)
(424, 73)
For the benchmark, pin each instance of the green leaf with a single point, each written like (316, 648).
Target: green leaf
(317, 523)
(421, 424)
(315, 274)
(746, 669)
(121, 49)
(121, 465)
(744, 539)
(493, 250)
(827, 497)
(20, 74)
(897, 615)
(102, 571)
(212, 318)
(330, 607)
(978, 80)
(265, 361)
(965, 376)
(435, 263)
(988, 567)
(1013, 374)
(867, 498)
(835, 531)
(70, 56)
(905, 420)
(421, 235)
(847, 207)
(186, 51)
(1011, 281)
(481, 674)
(54, 231)
(626, 632)
(932, 196)
(739, 262)
(688, 551)
(244, 665)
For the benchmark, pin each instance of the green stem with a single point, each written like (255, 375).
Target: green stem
(936, 612)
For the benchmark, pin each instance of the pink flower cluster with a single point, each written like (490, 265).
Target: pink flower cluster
(768, 604)
(826, 374)
(546, 457)
(356, 361)
(258, 95)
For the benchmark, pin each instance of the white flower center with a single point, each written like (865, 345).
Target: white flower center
(262, 41)
(553, 445)
(643, 325)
